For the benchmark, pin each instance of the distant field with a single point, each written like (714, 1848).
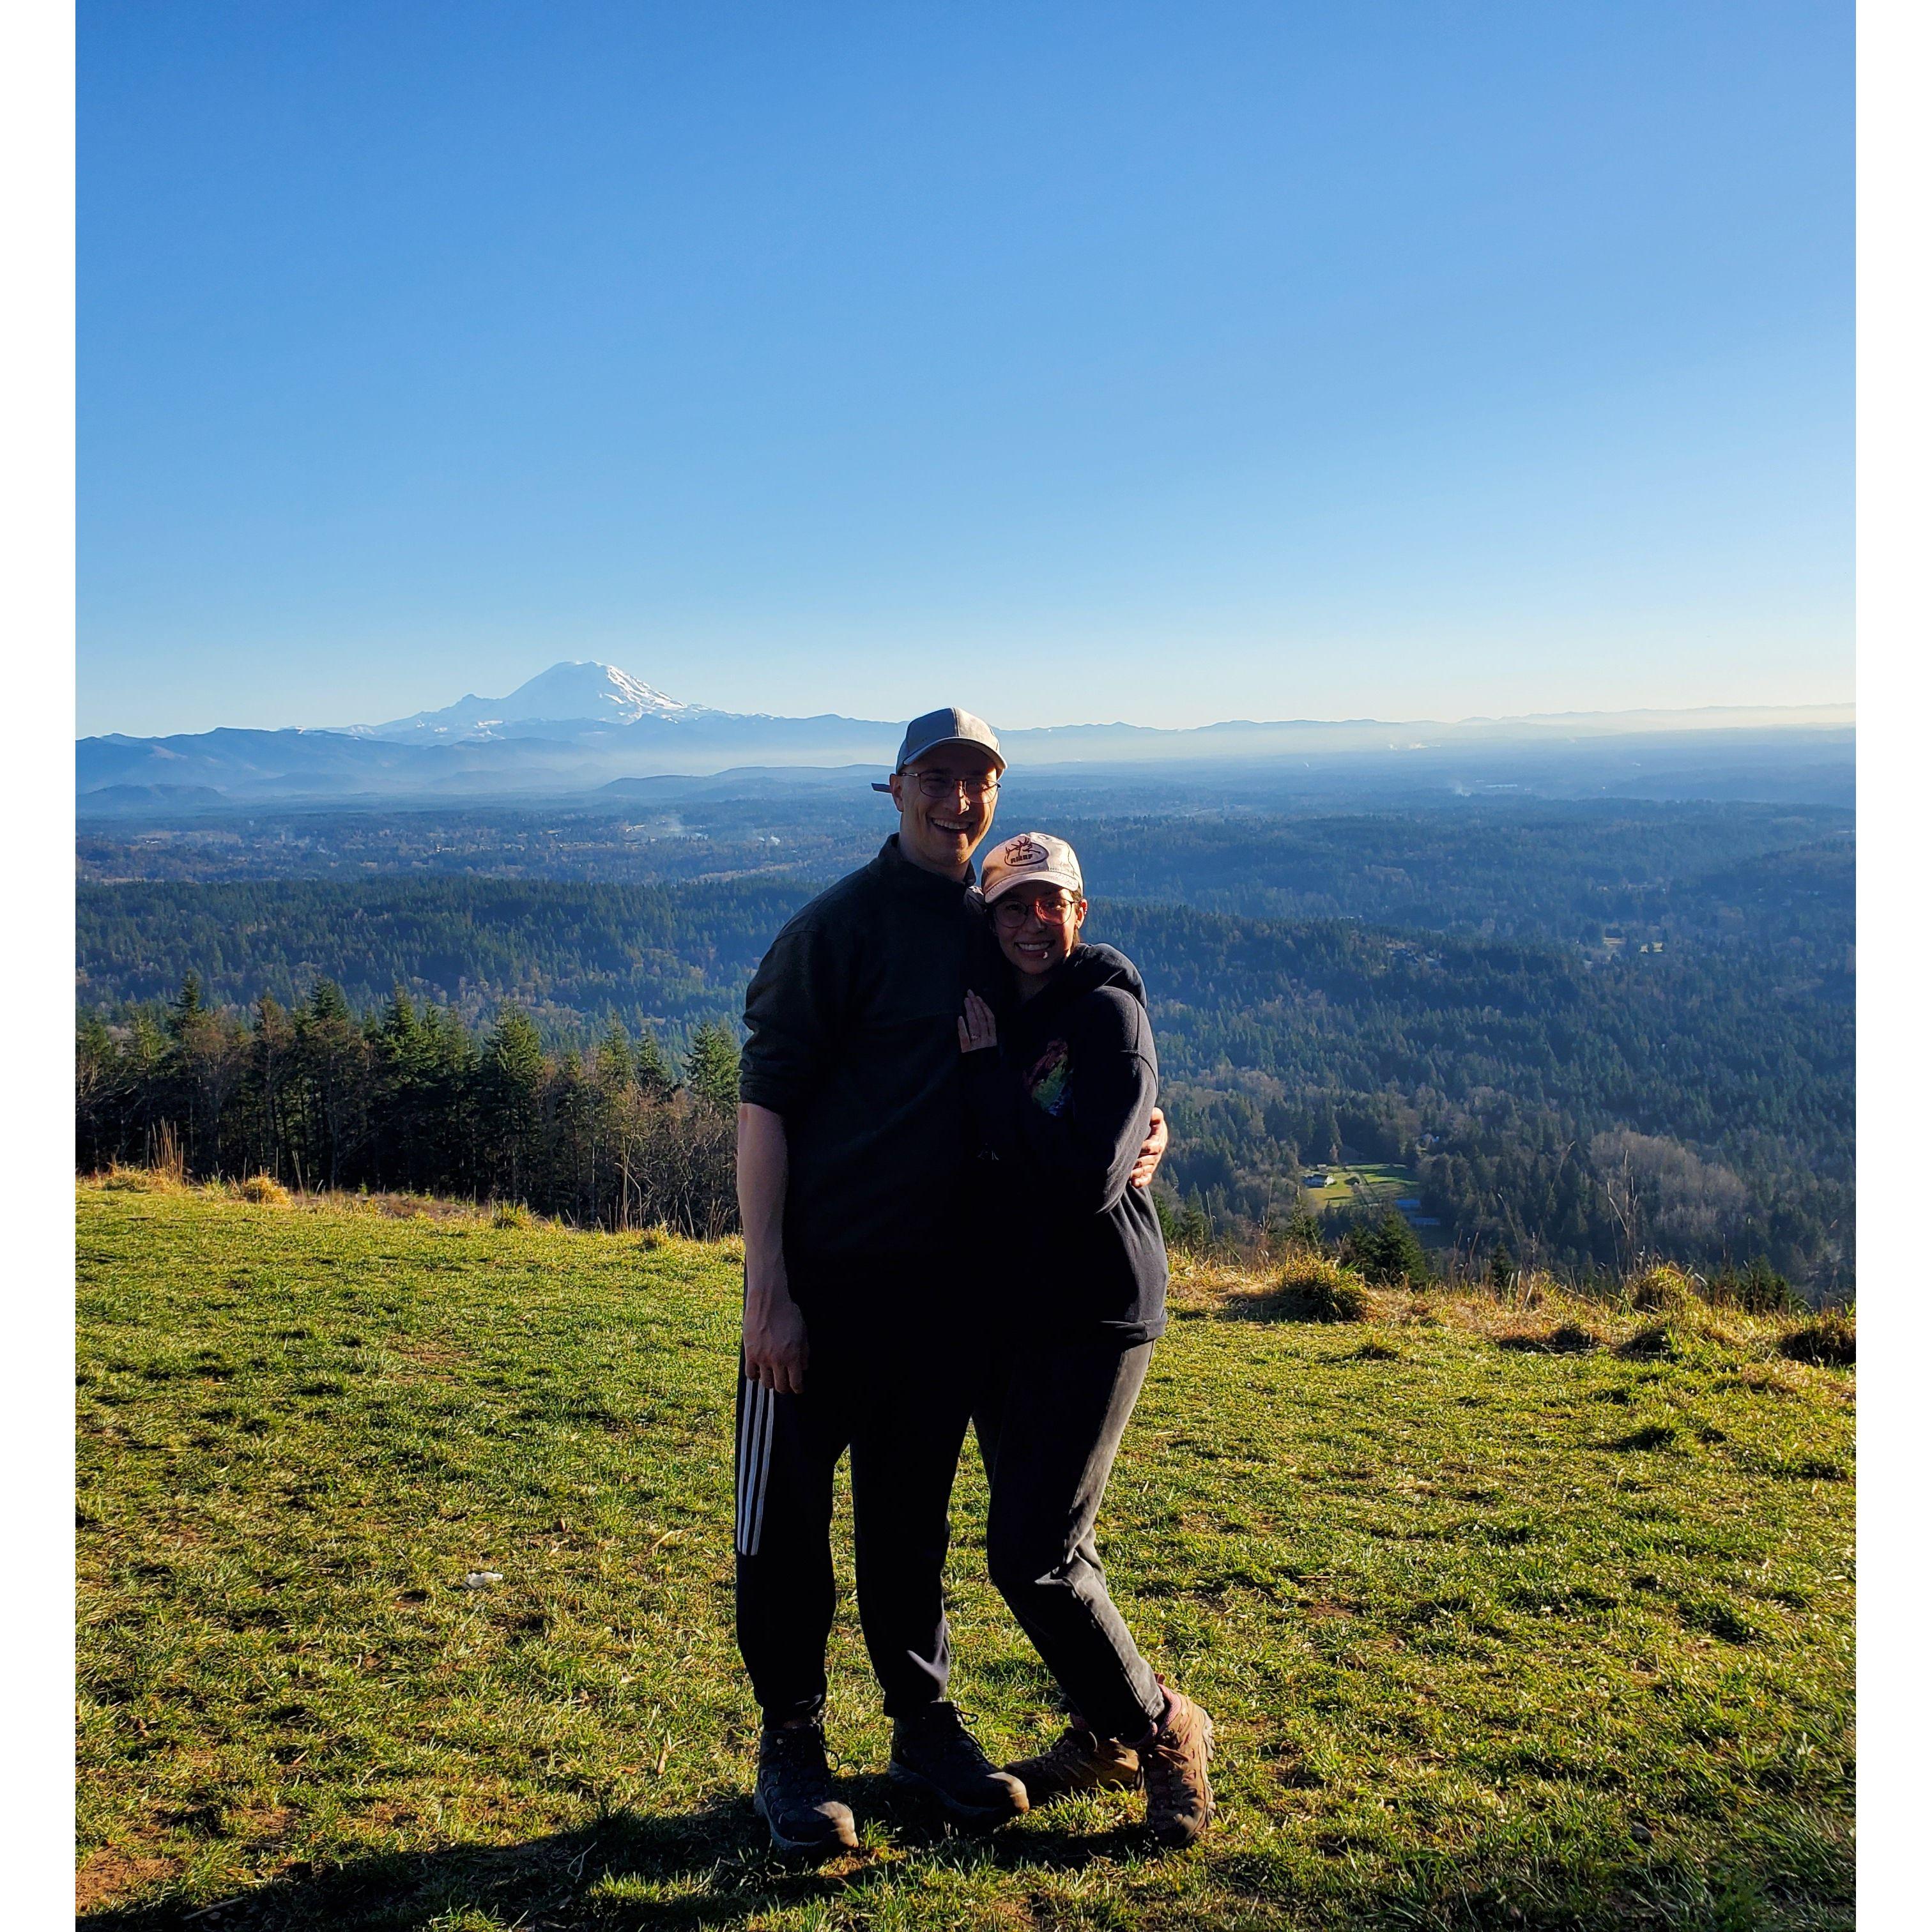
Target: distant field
(1351, 1182)
(1495, 1637)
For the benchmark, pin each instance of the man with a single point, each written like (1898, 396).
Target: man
(863, 1303)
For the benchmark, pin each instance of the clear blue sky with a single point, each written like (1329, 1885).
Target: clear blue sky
(1168, 363)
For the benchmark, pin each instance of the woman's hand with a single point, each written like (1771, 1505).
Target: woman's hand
(977, 1030)
(1152, 1148)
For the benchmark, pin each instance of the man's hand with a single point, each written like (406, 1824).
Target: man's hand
(977, 1029)
(775, 1347)
(1152, 1148)
(776, 1352)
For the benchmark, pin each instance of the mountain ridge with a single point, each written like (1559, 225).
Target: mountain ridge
(579, 725)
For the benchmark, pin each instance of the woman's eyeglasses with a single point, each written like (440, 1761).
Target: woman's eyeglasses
(1055, 911)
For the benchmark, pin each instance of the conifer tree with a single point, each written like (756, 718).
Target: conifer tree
(513, 1081)
(655, 1078)
(333, 1059)
(614, 1071)
(1388, 1253)
(400, 1022)
(573, 1147)
(186, 1007)
(326, 1004)
(711, 1068)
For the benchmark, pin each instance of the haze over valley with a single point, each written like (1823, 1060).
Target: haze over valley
(579, 727)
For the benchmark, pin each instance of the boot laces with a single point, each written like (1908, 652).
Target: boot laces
(794, 1761)
(942, 1733)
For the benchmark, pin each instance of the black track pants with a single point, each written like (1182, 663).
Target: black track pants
(1049, 1421)
(901, 1407)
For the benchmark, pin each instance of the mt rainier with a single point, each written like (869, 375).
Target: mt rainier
(568, 693)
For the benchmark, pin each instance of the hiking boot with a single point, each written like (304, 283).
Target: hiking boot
(793, 1792)
(1077, 1760)
(1173, 1765)
(938, 1753)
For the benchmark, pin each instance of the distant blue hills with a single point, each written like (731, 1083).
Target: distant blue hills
(576, 728)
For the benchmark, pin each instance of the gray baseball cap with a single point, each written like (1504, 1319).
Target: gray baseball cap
(951, 726)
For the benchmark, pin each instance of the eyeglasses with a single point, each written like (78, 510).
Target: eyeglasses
(1056, 911)
(944, 785)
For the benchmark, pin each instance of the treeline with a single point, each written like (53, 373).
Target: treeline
(1578, 1108)
(574, 956)
(409, 1098)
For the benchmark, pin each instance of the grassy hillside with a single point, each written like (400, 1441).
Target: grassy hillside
(1502, 1624)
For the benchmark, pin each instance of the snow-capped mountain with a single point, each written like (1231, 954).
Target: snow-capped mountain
(568, 693)
(576, 728)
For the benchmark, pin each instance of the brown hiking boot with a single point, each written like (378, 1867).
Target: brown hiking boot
(1174, 1765)
(1077, 1760)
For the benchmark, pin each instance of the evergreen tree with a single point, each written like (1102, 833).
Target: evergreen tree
(513, 1084)
(404, 1156)
(656, 1079)
(399, 1024)
(711, 1068)
(615, 1071)
(1301, 1228)
(1328, 1136)
(186, 1007)
(333, 1062)
(326, 1005)
(1388, 1253)
(573, 1139)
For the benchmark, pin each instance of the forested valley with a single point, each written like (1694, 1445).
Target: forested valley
(1592, 1032)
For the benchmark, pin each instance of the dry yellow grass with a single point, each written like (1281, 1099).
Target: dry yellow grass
(139, 1180)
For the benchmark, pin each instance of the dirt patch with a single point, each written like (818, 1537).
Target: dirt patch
(106, 1875)
(399, 1207)
(424, 1353)
(258, 1824)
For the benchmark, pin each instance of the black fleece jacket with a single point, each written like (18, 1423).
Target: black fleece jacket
(853, 1015)
(1062, 1106)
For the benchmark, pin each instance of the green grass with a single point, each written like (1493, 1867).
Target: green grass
(1382, 1184)
(1493, 1636)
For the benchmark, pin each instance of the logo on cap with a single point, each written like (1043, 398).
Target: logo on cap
(1024, 850)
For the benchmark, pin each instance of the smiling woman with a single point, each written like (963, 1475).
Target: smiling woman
(1062, 1101)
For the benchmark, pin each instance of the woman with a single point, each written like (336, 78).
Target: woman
(1061, 1089)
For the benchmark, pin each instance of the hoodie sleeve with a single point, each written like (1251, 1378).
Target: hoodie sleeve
(794, 1008)
(1088, 1148)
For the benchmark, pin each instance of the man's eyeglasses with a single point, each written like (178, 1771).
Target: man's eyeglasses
(1055, 911)
(944, 785)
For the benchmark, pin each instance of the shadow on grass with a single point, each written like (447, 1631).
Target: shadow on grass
(709, 1868)
(1570, 1339)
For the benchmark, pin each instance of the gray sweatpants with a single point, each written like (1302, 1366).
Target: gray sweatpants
(1049, 1423)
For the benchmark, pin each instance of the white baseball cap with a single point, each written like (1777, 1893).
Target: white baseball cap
(1030, 859)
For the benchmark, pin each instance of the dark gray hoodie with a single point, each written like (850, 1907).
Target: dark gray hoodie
(1062, 1107)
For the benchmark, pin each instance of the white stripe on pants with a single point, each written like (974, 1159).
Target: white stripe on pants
(755, 1420)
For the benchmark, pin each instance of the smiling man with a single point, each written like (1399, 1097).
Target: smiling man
(864, 1304)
